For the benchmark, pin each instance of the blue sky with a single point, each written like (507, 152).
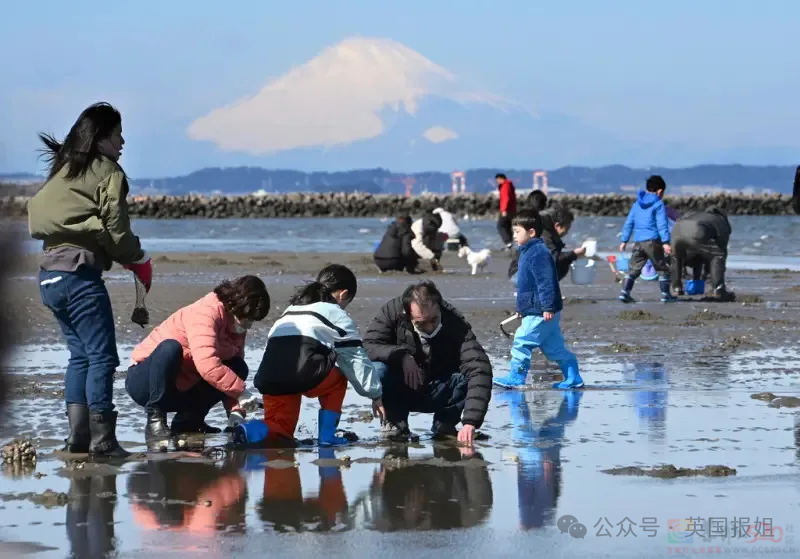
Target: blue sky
(715, 76)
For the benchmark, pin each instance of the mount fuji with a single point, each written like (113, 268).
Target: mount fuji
(367, 102)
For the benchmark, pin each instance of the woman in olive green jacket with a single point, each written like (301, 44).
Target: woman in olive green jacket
(81, 215)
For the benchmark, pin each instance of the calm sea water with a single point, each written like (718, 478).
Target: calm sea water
(757, 241)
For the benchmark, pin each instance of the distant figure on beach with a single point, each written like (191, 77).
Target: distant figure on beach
(450, 228)
(508, 208)
(428, 242)
(556, 222)
(81, 215)
(195, 359)
(433, 364)
(796, 191)
(647, 223)
(395, 253)
(700, 241)
(537, 200)
(313, 350)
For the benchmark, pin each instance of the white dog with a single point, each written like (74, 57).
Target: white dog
(478, 260)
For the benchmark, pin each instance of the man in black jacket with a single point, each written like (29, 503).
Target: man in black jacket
(700, 241)
(434, 364)
(395, 253)
(796, 191)
(556, 221)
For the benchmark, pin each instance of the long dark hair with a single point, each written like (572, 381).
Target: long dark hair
(332, 278)
(246, 298)
(79, 149)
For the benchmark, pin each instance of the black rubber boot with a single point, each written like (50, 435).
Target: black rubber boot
(79, 434)
(156, 425)
(104, 443)
(186, 422)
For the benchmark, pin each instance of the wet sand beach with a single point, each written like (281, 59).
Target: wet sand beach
(666, 385)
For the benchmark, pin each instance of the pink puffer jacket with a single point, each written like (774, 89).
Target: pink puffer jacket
(204, 330)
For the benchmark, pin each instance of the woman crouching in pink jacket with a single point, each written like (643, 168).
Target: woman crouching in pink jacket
(195, 358)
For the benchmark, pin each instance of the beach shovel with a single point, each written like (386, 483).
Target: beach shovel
(140, 315)
(507, 321)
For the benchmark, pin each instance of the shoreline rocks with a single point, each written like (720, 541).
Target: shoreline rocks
(386, 205)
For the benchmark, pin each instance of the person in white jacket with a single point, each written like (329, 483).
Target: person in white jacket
(450, 227)
(428, 243)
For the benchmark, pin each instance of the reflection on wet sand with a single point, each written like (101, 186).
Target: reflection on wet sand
(650, 397)
(191, 497)
(405, 495)
(283, 507)
(539, 451)
(90, 516)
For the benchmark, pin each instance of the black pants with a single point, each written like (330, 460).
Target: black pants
(504, 229)
(152, 383)
(396, 264)
(444, 398)
(707, 256)
(648, 250)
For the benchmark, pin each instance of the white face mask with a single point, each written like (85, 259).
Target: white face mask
(432, 334)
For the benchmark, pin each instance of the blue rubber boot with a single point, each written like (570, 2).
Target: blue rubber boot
(250, 433)
(666, 296)
(625, 294)
(572, 378)
(328, 422)
(514, 379)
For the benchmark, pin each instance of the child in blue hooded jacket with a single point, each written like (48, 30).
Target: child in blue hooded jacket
(648, 223)
(539, 304)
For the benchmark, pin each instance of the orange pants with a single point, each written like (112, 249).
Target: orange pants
(283, 484)
(281, 413)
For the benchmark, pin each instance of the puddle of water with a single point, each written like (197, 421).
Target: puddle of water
(543, 460)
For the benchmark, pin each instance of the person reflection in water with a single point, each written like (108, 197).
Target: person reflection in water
(539, 469)
(90, 516)
(651, 404)
(428, 496)
(283, 506)
(192, 497)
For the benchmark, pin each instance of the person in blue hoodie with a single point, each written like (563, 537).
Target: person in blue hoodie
(539, 304)
(647, 222)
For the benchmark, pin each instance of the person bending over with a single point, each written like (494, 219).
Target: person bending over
(428, 243)
(700, 241)
(195, 359)
(395, 253)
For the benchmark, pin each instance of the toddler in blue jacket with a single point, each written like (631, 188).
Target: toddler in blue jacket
(647, 222)
(539, 304)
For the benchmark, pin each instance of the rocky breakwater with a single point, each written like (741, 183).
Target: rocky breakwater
(369, 205)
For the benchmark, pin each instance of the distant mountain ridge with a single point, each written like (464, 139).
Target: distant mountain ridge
(576, 180)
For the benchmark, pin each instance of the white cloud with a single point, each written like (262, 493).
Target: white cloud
(439, 134)
(333, 99)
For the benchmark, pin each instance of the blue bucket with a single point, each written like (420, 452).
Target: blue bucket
(250, 432)
(623, 262)
(695, 287)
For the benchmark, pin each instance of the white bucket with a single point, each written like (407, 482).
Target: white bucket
(583, 272)
(591, 247)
